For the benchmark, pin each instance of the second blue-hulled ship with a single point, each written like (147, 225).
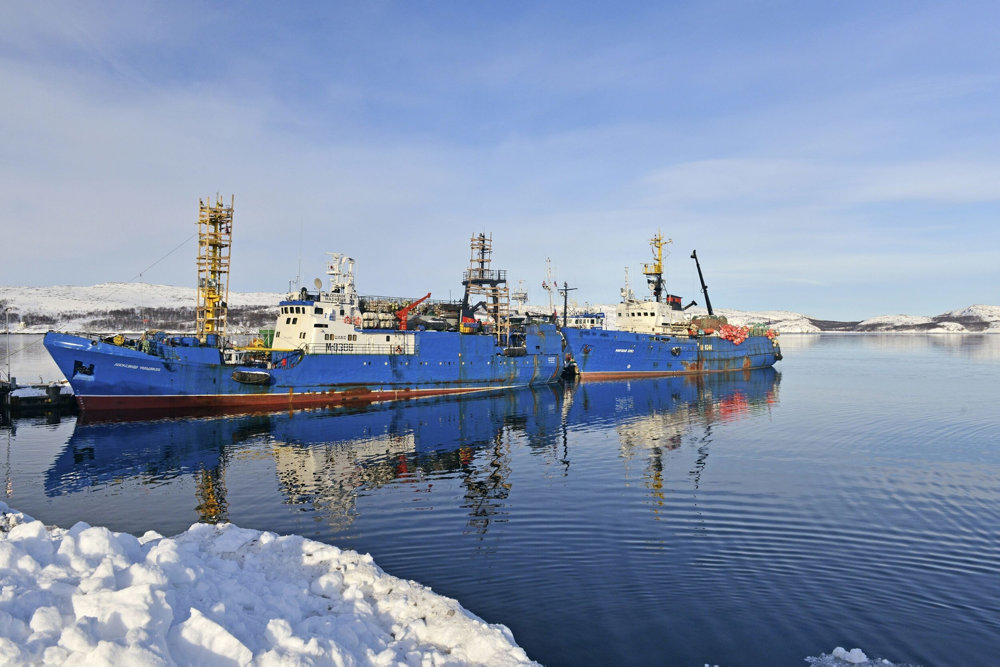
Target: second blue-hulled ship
(654, 337)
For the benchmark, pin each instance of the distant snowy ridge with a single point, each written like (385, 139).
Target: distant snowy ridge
(124, 307)
(977, 318)
(137, 306)
(974, 319)
(77, 298)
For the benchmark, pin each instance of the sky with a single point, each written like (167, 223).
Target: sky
(838, 159)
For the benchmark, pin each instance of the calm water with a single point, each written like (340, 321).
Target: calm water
(852, 499)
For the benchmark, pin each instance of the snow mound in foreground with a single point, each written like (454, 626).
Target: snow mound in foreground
(220, 594)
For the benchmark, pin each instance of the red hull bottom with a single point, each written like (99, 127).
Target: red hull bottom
(131, 407)
(632, 375)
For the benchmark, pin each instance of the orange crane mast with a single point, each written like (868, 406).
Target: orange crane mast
(404, 311)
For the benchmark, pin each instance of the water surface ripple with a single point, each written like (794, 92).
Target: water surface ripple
(853, 499)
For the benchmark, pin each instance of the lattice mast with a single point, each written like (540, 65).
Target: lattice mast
(654, 271)
(481, 281)
(215, 231)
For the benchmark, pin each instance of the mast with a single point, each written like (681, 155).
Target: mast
(549, 284)
(491, 284)
(565, 290)
(520, 295)
(704, 287)
(215, 231)
(654, 271)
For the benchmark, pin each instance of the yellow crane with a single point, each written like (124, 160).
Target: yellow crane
(215, 232)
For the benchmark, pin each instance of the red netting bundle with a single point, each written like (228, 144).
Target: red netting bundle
(734, 333)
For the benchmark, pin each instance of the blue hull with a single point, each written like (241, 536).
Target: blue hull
(105, 376)
(600, 354)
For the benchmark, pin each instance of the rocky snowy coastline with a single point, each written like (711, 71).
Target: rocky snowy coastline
(112, 307)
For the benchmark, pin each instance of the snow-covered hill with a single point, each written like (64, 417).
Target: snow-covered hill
(978, 318)
(123, 307)
(137, 306)
(974, 319)
(109, 296)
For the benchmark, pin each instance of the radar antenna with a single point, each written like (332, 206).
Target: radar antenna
(654, 271)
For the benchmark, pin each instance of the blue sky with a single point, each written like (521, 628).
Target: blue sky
(838, 159)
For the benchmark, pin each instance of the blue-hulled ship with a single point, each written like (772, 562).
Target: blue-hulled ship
(654, 337)
(328, 347)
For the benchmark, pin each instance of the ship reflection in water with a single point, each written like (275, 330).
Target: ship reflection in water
(653, 416)
(324, 460)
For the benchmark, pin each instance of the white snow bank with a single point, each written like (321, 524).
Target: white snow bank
(36, 391)
(28, 392)
(220, 595)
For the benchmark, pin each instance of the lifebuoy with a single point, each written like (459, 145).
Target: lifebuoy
(399, 349)
(347, 319)
(357, 321)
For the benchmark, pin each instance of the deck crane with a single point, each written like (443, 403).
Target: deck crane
(404, 311)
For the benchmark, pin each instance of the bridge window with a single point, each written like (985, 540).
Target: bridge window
(318, 311)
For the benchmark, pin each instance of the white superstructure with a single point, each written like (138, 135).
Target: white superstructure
(331, 321)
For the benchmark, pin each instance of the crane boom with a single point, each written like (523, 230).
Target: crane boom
(404, 311)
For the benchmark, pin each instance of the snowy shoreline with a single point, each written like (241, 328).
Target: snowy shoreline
(221, 594)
